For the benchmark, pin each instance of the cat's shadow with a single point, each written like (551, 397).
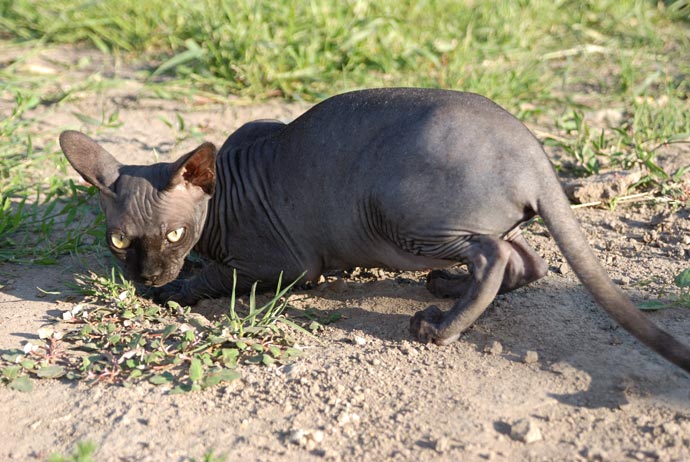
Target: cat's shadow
(356, 316)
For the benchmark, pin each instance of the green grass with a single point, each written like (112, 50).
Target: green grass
(84, 452)
(33, 198)
(511, 51)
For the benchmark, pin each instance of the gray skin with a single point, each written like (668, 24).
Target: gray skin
(408, 179)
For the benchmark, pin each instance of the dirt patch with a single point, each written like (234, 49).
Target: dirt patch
(543, 375)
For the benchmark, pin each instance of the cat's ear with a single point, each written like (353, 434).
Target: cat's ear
(196, 169)
(94, 164)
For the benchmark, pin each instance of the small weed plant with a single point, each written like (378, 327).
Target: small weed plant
(679, 299)
(117, 337)
(84, 452)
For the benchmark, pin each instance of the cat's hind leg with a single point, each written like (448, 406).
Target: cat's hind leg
(524, 266)
(495, 266)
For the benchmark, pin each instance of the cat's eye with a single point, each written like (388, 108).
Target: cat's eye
(176, 235)
(119, 241)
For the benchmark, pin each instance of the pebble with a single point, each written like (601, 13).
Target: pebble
(361, 341)
(595, 454)
(563, 268)
(615, 340)
(525, 430)
(346, 418)
(290, 370)
(494, 348)
(308, 439)
(671, 428)
(623, 280)
(442, 444)
(408, 350)
(530, 357)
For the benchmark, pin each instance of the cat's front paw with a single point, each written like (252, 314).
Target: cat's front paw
(174, 291)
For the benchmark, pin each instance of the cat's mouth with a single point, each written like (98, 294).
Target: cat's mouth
(152, 275)
(156, 281)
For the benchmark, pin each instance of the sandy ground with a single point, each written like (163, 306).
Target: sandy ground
(370, 392)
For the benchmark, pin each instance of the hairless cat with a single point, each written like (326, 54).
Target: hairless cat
(399, 178)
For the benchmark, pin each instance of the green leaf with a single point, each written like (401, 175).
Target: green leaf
(182, 388)
(683, 279)
(23, 384)
(653, 305)
(294, 352)
(224, 375)
(229, 356)
(193, 52)
(161, 379)
(678, 137)
(196, 371)
(12, 355)
(88, 120)
(51, 372)
(11, 372)
(169, 329)
(258, 347)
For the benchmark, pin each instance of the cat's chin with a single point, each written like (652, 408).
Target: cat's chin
(157, 284)
(149, 284)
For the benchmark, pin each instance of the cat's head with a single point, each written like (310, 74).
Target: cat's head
(155, 213)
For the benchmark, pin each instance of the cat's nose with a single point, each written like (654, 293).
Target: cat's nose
(151, 277)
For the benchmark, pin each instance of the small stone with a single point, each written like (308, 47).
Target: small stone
(494, 348)
(409, 350)
(595, 454)
(361, 341)
(671, 428)
(563, 268)
(623, 280)
(308, 439)
(525, 430)
(686, 240)
(615, 340)
(530, 357)
(296, 436)
(442, 444)
(317, 436)
(290, 370)
(347, 418)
